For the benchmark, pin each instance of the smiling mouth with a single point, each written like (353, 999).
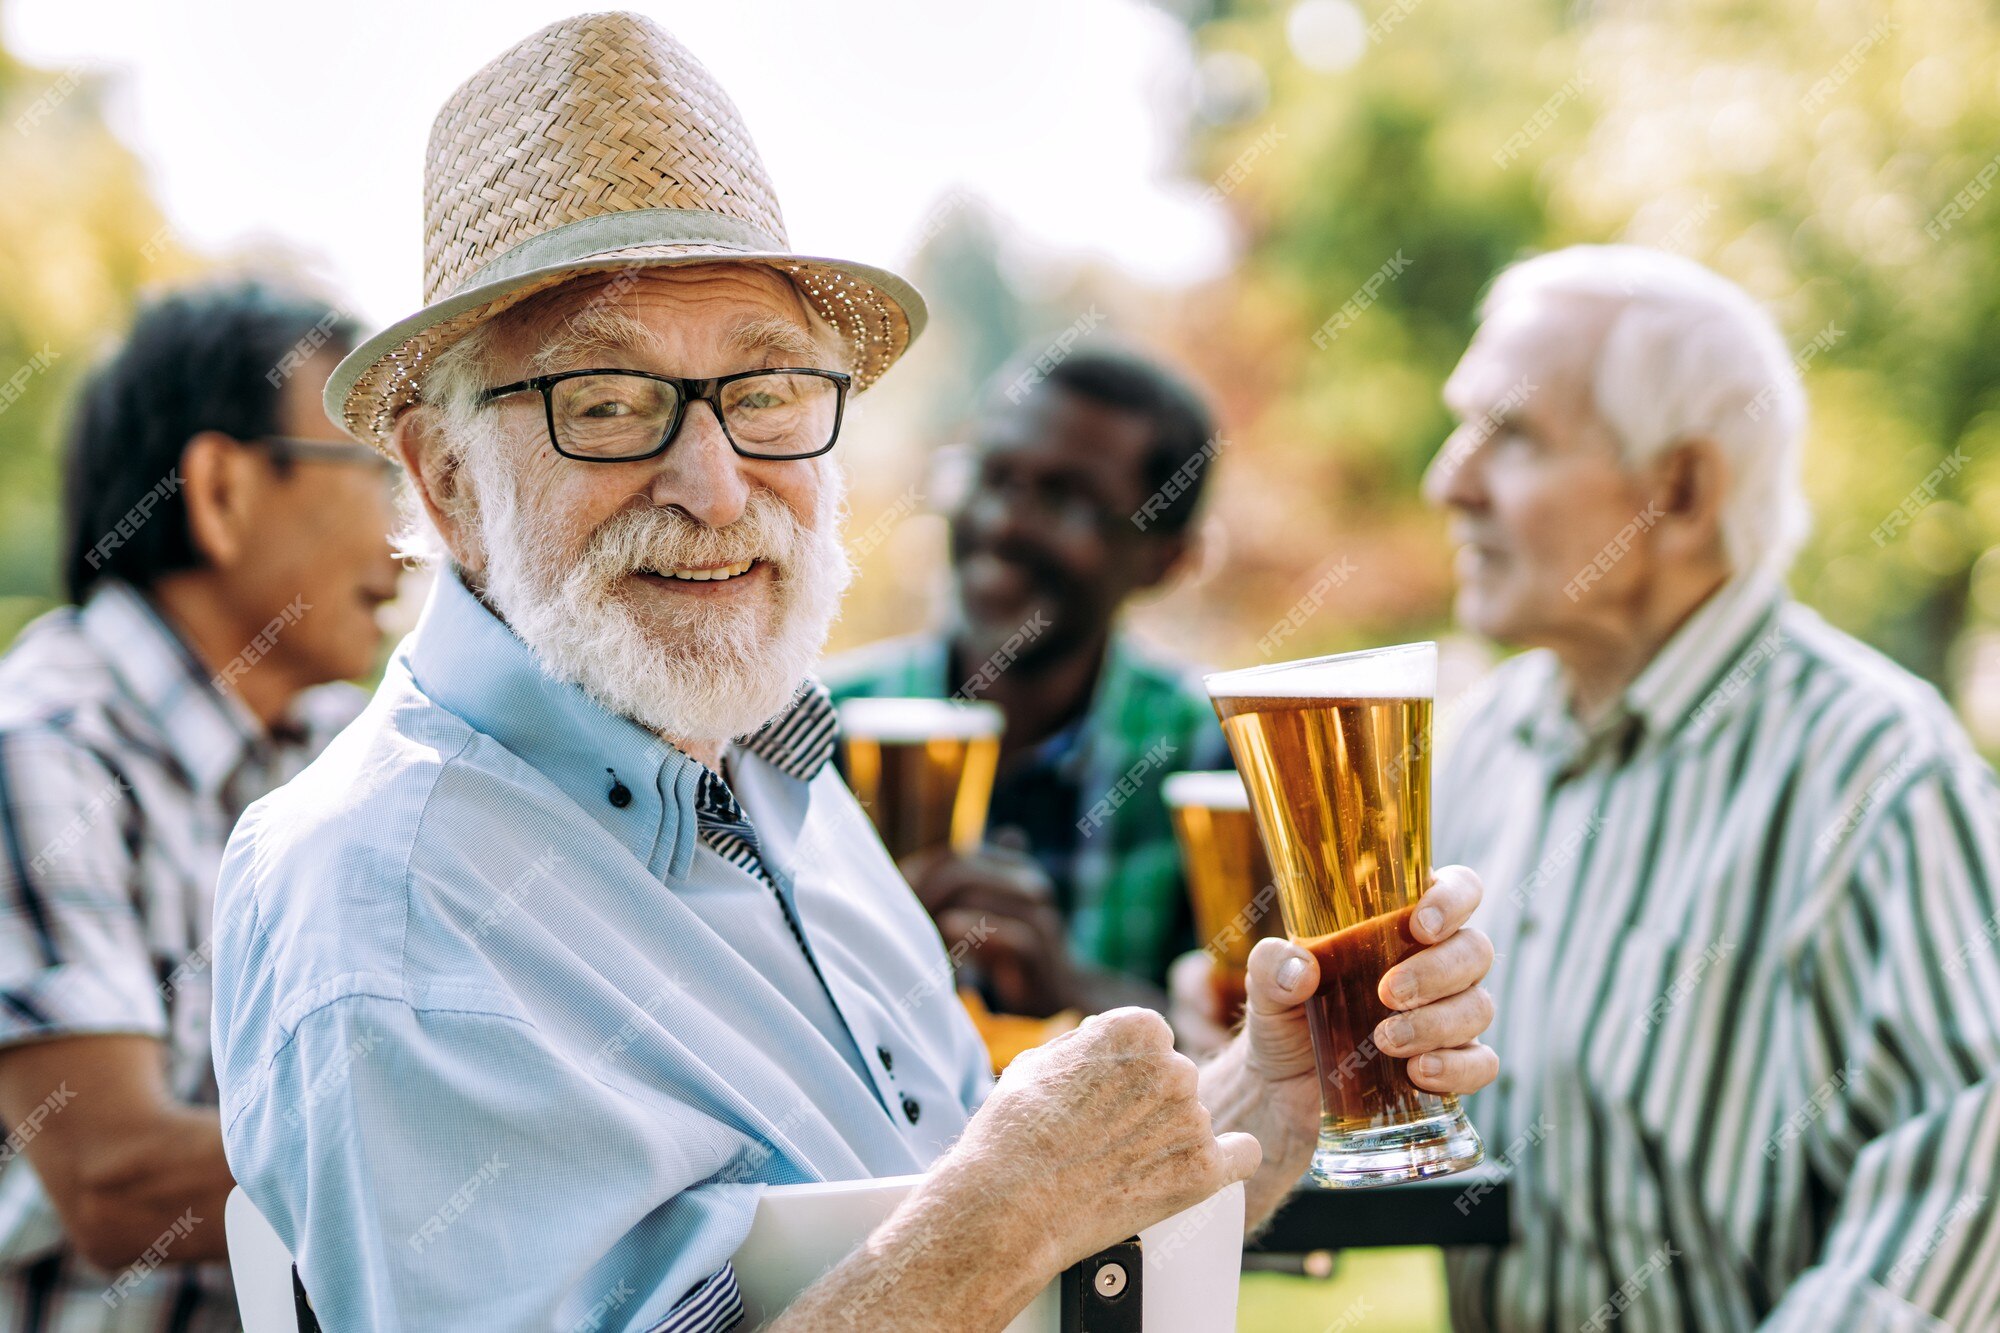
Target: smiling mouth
(704, 574)
(988, 575)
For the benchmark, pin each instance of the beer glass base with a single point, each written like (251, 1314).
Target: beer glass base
(1437, 1145)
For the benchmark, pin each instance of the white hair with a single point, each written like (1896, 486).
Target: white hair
(451, 388)
(694, 672)
(1689, 355)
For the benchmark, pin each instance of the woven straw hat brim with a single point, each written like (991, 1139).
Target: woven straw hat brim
(597, 142)
(877, 313)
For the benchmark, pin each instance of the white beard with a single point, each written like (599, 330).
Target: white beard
(698, 671)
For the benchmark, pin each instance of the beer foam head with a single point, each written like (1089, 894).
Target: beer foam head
(1408, 671)
(1220, 790)
(908, 720)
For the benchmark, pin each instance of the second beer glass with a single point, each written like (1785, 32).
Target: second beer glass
(922, 769)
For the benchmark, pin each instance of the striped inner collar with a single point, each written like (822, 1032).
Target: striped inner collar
(798, 742)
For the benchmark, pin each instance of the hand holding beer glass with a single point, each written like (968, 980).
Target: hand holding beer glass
(1336, 755)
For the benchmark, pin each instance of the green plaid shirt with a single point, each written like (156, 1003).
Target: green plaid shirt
(1147, 718)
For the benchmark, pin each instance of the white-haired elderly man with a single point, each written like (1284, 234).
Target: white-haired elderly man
(575, 941)
(1742, 866)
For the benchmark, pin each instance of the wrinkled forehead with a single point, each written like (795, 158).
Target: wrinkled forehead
(693, 310)
(1537, 352)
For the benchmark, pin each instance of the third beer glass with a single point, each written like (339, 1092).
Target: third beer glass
(923, 769)
(1229, 881)
(1336, 754)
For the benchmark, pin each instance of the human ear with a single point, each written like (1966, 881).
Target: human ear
(437, 477)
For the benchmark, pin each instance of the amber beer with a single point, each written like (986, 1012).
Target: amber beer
(1335, 752)
(923, 769)
(1229, 880)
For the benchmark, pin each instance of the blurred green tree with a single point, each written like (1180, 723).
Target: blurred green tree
(1838, 159)
(80, 237)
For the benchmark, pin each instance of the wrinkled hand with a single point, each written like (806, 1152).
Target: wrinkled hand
(1096, 1135)
(1438, 1011)
(1440, 1007)
(996, 909)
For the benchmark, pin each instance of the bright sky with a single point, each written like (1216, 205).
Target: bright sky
(305, 123)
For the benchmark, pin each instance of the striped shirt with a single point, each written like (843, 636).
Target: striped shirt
(122, 767)
(1748, 989)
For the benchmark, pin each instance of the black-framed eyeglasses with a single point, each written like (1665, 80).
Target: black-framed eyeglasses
(326, 451)
(622, 416)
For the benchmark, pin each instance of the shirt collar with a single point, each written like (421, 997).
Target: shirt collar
(468, 661)
(1731, 632)
(800, 741)
(207, 729)
(1728, 635)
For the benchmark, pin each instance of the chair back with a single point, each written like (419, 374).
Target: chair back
(1187, 1281)
(268, 1295)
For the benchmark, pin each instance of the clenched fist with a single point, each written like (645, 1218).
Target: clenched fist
(1097, 1135)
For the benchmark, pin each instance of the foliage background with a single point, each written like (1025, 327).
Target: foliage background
(1801, 147)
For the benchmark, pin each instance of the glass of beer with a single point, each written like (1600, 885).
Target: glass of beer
(1336, 754)
(922, 769)
(1229, 880)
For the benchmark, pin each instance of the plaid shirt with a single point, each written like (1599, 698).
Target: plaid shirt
(1117, 865)
(122, 769)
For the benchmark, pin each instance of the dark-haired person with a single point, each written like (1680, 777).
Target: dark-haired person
(1084, 479)
(226, 553)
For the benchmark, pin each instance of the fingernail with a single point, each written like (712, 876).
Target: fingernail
(1430, 920)
(1404, 991)
(1290, 972)
(1430, 1066)
(1394, 1032)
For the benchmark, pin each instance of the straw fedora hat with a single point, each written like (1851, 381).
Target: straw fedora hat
(598, 143)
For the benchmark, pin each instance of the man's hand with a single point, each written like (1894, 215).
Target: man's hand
(1193, 1007)
(1097, 1134)
(1265, 1080)
(1084, 1141)
(996, 909)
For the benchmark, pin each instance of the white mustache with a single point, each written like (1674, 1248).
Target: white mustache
(636, 539)
(687, 668)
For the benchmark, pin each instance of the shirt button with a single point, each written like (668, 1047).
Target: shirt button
(888, 1061)
(911, 1109)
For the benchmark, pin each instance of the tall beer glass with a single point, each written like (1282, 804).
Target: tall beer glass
(1336, 754)
(1229, 879)
(922, 769)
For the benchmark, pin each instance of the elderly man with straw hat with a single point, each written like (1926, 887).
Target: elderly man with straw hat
(575, 941)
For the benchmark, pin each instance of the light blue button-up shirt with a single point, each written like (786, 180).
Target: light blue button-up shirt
(505, 1042)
